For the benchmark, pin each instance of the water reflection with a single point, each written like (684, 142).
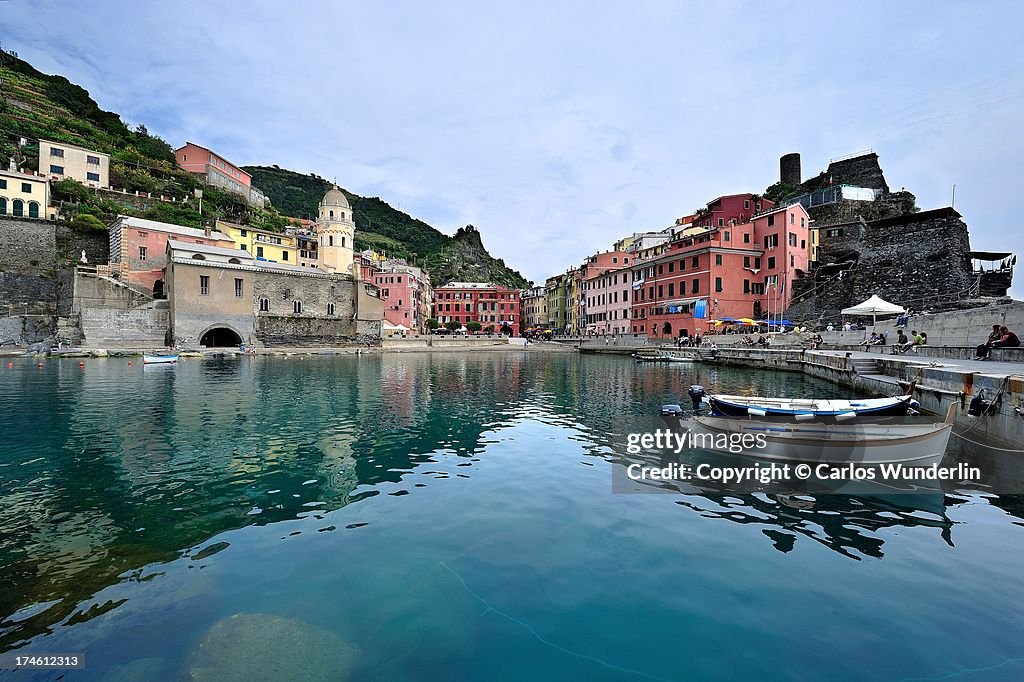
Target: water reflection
(111, 468)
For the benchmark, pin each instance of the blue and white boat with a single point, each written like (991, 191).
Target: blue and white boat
(757, 406)
(159, 359)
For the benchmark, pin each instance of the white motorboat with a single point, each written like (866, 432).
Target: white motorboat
(852, 440)
(742, 406)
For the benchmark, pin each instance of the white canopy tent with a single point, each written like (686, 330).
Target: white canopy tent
(874, 307)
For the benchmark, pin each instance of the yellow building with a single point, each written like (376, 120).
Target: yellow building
(275, 247)
(24, 196)
(336, 228)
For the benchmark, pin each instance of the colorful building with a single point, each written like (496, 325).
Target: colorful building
(554, 291)
(59, 161)
(731, 208)
(275, 247)
(492, 305)
(737, 271)
(24, 195)
(138, 250)
(216, 171)
(534, 304)
(605, 280)
(405, 290)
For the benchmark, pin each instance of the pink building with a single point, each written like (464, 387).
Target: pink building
(138, 250)
(731, 208)
(214, 169)
(404, 290)
(606, 287)
(736, 271)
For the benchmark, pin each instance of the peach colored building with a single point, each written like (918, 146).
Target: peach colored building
(138, 250)
(605, 279)
(216, 171)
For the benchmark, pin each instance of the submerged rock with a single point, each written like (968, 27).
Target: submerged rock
(262, 646)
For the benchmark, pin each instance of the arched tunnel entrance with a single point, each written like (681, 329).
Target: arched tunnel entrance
(220, 337)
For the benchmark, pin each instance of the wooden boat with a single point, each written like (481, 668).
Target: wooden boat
(159, 359)
(661, 357)
(885, 441)
(742, 406)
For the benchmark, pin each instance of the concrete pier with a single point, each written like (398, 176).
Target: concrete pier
(940, 381)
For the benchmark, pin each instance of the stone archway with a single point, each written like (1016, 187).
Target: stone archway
(220, 337)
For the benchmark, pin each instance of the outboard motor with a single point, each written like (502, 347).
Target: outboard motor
(979, 405)
(696, 393)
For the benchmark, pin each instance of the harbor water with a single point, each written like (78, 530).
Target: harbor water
(451, 517)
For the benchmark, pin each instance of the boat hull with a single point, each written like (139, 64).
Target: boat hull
(741, 406)
(159, 359)
(867, 444)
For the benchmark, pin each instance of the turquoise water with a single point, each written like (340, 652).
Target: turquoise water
(429, 517)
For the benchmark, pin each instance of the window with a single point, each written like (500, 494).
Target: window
(757, 262)
(696, 261)
(26, 188)
(330, 308)
(259, 252)
(771, 220)
(771, 262)
(746, 204)
(792, 261)
(727, 235)
(3, 184)
(284, 255)
(238, 288)
(330, 240)
(746, 286)
(718, 259)
(92, 160)
(802, 221)
(695, 287)
(296, 307)
(18, 208)
(330, 214)
(803, 243)
(721, 222)
(198, 256)
(56, 170)
(245, 233)
(661, 269)
(142, 253)
(59, 153)
(33, 209)
(342, 242)
(235, 261)
(245, 247)
(746, 261)
(204, 285)
(3, 206)
(792, 218)
(92, 177)
(746, 237)
(671, 289)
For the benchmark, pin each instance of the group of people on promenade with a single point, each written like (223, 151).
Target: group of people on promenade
(1001, 337)
(904, 344)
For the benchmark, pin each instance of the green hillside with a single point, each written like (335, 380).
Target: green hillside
(35, 105)
(382, 227)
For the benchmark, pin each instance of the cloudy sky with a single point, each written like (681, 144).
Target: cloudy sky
(557, 127)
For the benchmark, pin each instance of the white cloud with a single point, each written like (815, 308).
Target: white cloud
(557, 129)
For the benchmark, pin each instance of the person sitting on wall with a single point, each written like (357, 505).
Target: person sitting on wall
(915, 341)
(981, 352)
(881, 338)
(1007, 339)
(870, 341)
(901, 343)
